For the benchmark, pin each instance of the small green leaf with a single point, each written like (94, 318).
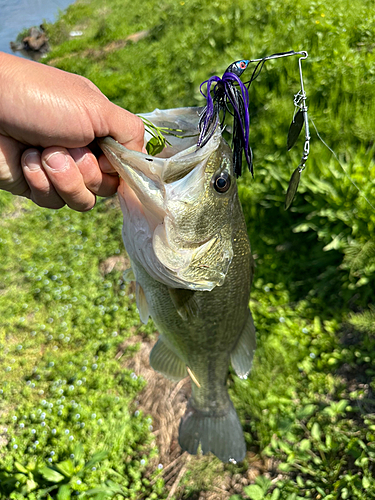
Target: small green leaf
(78, 452)
(32, 466)
(305, 412)
(341, 405)
(31, 485)
(64, 492)
(66, 468)
(366, 482)
(283, 467)
(51, 475)
(102, 491)
(274, 443)
(103, 496)
(154, 146)
(305, 445)
(115, 487)
(44, 492)
(97, 457)
(20, 468)
(263, 482)
(285, 447)
(300, 482)
(344, 493)
(293, 496)
(254, 491)
(315, 431)
(275, 494)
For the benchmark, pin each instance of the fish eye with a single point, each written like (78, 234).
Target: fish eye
(221, 182)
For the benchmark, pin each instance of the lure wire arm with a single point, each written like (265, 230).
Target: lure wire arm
(282, 54)
(300, 118)
(303, 108)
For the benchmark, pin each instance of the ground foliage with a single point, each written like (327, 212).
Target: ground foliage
(309, 401)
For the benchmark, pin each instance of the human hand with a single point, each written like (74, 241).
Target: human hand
(48, 117)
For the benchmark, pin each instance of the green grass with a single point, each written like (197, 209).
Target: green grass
(309, 402)
(62, 390)
(162, 70)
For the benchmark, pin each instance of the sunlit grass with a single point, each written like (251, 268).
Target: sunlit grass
(62, 321)
(309, 400)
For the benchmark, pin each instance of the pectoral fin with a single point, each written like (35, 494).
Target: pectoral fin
(128, 275)
(243, 353)
(165, 361)
(184, 302)
(141, 303)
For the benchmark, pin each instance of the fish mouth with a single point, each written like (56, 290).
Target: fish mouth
(132, 168)
(153, 179)
(153, 194)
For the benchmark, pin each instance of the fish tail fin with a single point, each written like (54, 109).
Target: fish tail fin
(221, 435)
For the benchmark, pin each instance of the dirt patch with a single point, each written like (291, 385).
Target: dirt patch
(203, 477)
(164, 400)
(110, 47)
(20, 206)
(115, 262)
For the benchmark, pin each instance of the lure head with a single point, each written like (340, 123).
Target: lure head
(238, 67)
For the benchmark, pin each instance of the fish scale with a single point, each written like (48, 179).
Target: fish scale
(191, 259)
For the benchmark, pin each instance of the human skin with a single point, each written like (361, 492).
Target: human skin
(48, 118)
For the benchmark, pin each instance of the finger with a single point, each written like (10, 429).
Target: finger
(124, 127)
(41, 191)
(12, 178)
(105, 165)
(66, 178)
(95, 180)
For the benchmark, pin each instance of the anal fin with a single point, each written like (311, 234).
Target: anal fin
(243, 354)
(165, 361)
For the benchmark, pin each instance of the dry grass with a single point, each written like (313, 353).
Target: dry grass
(164, 400)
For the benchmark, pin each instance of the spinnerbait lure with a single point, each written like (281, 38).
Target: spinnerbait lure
(230, 94)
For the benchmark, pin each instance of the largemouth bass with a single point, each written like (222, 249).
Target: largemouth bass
(186, 237)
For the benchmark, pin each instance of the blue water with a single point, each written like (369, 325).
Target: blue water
(15, 15)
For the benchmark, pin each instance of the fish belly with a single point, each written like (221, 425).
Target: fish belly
(200, 344)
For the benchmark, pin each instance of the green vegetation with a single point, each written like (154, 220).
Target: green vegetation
(65, 400)
(309, 402)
